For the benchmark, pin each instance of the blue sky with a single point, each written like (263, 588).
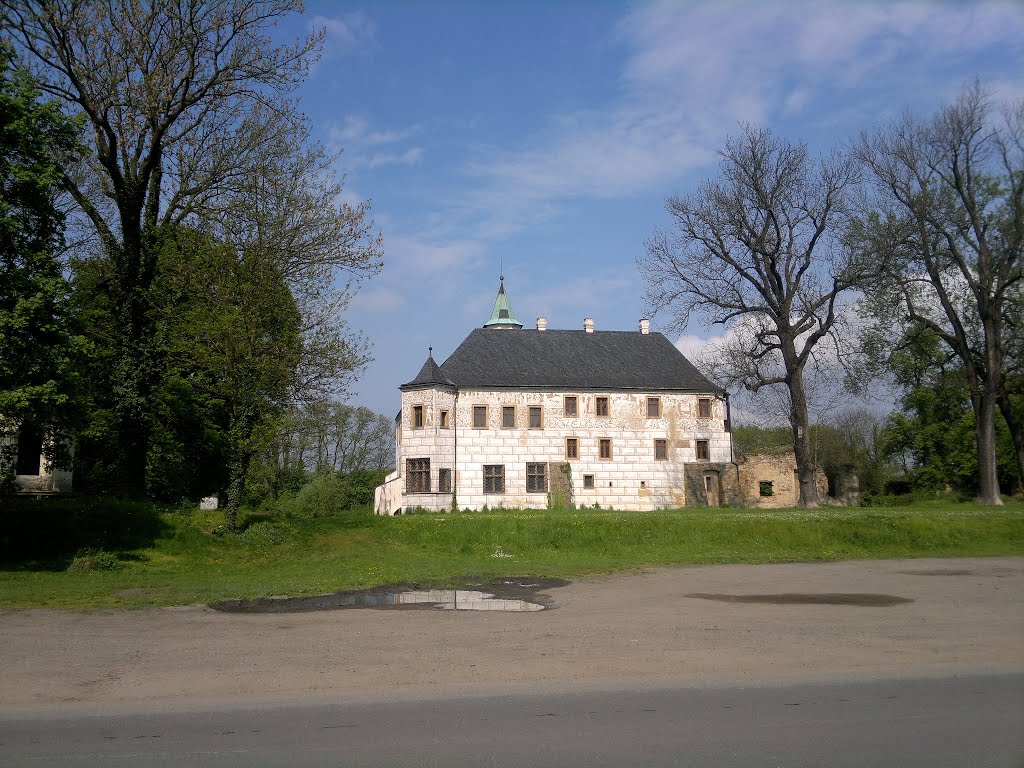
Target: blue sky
(544, 137)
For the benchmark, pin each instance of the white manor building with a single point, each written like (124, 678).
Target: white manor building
(525, 418)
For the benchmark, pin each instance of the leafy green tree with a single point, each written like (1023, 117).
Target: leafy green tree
(948, 219)
(933, 434)
(176, 98)
(231, 331)
(39, 350)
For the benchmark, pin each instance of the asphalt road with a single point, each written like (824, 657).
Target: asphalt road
(960, 721)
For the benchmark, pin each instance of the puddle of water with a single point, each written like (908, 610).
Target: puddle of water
(512, 596)
(797, 598)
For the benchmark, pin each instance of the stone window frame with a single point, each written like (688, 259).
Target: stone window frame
(607, 401)
(418, 421)
(766, 488)
(662, 443)
(486, 415)
(575, 400)
(494, 478)
(601, 441)
(702, 447)
(444, 419)
(530, 409)
(588, 481)
(575, 454)
(417, 475)
(444, 480)
(504, 410)
(704, 408)
(535, 470)
(656, 402)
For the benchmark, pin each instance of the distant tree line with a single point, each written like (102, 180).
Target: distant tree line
(176, 261)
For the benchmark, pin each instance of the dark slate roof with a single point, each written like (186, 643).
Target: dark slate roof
(429, 374)
(572, 360)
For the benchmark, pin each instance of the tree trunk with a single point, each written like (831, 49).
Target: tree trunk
(1016, 427)
(798, 419)
(236, 488)
(985, 432)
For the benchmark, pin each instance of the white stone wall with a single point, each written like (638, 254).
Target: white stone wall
(631, 480)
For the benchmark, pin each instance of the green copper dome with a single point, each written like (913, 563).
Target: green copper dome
(502, 315)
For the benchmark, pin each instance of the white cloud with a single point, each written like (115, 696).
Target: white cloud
(367, 147)
(413, 256)
(379, 299)
(345, 33)
(691, 345)
(356, 131)
(409, 157)
(696, 70)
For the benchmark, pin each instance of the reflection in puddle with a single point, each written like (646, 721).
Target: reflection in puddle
(791, 598)
(446, 599)
(520, 595)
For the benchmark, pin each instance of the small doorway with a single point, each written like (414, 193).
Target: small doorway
(711, 484)
(30, 449)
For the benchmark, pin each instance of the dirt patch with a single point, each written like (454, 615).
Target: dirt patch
(796, 598)
(511, 594)
(611, 632)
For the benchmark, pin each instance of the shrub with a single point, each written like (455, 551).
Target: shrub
(88, 560)
(265, 533)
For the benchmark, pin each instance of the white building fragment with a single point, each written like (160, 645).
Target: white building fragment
(526, 418)
(34, 470)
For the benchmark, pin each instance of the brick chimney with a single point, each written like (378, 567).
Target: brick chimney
(588, 324)
(645, 326)
(542, 323)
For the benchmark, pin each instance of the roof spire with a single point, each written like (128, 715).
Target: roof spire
(502, 315)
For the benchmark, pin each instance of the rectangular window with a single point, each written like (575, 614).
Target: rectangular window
(661, 450)
(479, 417)
(601, 406)
(704, 407)
(571, 405)
(604, 448)
(417, 475)
(572, 448)
(444, 480)
(536, 417)
(508, 417)
(444, 419)
(417, 417)
(703, 450)
(653, 407)
(537, 478)
(588, 481)
(494, 478)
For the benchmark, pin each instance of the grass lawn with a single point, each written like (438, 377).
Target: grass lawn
(152, 555)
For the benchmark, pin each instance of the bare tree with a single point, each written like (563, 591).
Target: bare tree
(759, 245)
(175, 95)
(949, 213)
